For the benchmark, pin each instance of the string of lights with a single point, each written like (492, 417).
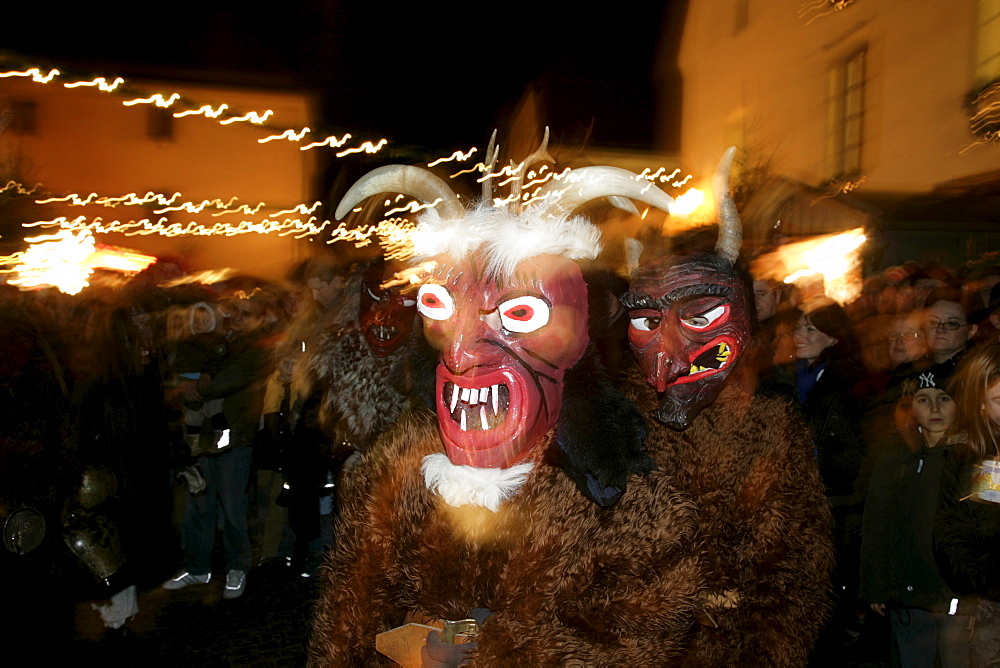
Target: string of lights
(223, 112)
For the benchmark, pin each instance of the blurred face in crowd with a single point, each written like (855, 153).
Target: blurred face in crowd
(947, 329)
(765, 299)
(202, 321)
(325, 293)
(810, 342)
(245, 318)
(295, 300)
(922, 287)
(934, 412)
(906, 340)
(286, 369)
(992, 406)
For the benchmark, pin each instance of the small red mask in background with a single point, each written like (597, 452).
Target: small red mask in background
(688, 326)
(505, 346)
(385, 314)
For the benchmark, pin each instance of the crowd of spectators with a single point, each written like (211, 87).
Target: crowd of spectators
(194, 397)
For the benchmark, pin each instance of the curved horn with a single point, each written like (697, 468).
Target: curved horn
(489, 161)
(589, 183)
(730, 226)
(541, 154)
(408, 180)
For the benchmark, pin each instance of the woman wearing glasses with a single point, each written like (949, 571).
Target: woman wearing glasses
(947, 326)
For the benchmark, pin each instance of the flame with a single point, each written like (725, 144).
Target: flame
(66, 260)
(119, 259)
(56, 260)
(686, 204)
(833, 257)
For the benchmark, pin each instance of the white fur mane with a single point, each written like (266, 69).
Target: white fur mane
(470, 485)
(506, 238)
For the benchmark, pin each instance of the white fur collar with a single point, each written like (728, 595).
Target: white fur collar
(472, 486)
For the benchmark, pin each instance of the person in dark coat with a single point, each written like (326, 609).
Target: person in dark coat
(899, 576)
(239, 383)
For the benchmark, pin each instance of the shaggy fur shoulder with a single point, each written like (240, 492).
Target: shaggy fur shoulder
(358, 393)
(765, 525)
(568, 582)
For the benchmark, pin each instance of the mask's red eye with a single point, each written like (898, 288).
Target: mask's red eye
(524, 314)
(435, 302)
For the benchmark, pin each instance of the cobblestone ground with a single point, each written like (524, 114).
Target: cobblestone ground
(195, 626)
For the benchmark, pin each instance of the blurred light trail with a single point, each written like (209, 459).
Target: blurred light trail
(290, 135)
(457, 155)
(331, 141)
(155, 98)
(367, 147)
(817, 9)
(249, 117)
(205, 110)
(35, 74)
(101, 83)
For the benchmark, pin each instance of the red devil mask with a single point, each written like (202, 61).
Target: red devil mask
(505, 346)
(385, 315)
(688, 326)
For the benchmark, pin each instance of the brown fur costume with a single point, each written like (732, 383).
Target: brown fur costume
(568, 582)
(764, 525)
(358, 396)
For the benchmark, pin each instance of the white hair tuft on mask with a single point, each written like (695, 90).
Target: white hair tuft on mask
(505, 238)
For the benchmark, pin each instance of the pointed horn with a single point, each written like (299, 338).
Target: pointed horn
(589, 183)
(416, 182)
(489, 161)
(730, 226)
(540, 155)
(633, 251)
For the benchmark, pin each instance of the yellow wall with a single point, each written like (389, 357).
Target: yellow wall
(87, 141)
(765, 88)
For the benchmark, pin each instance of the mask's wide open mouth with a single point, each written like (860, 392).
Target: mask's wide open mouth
(384, 333)
(476, 407)
(712, 359)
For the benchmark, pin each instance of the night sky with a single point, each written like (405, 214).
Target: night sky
(434, 79)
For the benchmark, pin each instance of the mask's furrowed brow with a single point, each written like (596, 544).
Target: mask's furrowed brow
(640, 300)
(700, 290)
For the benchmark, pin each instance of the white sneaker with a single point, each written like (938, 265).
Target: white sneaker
(236, 582)
(183, 579)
